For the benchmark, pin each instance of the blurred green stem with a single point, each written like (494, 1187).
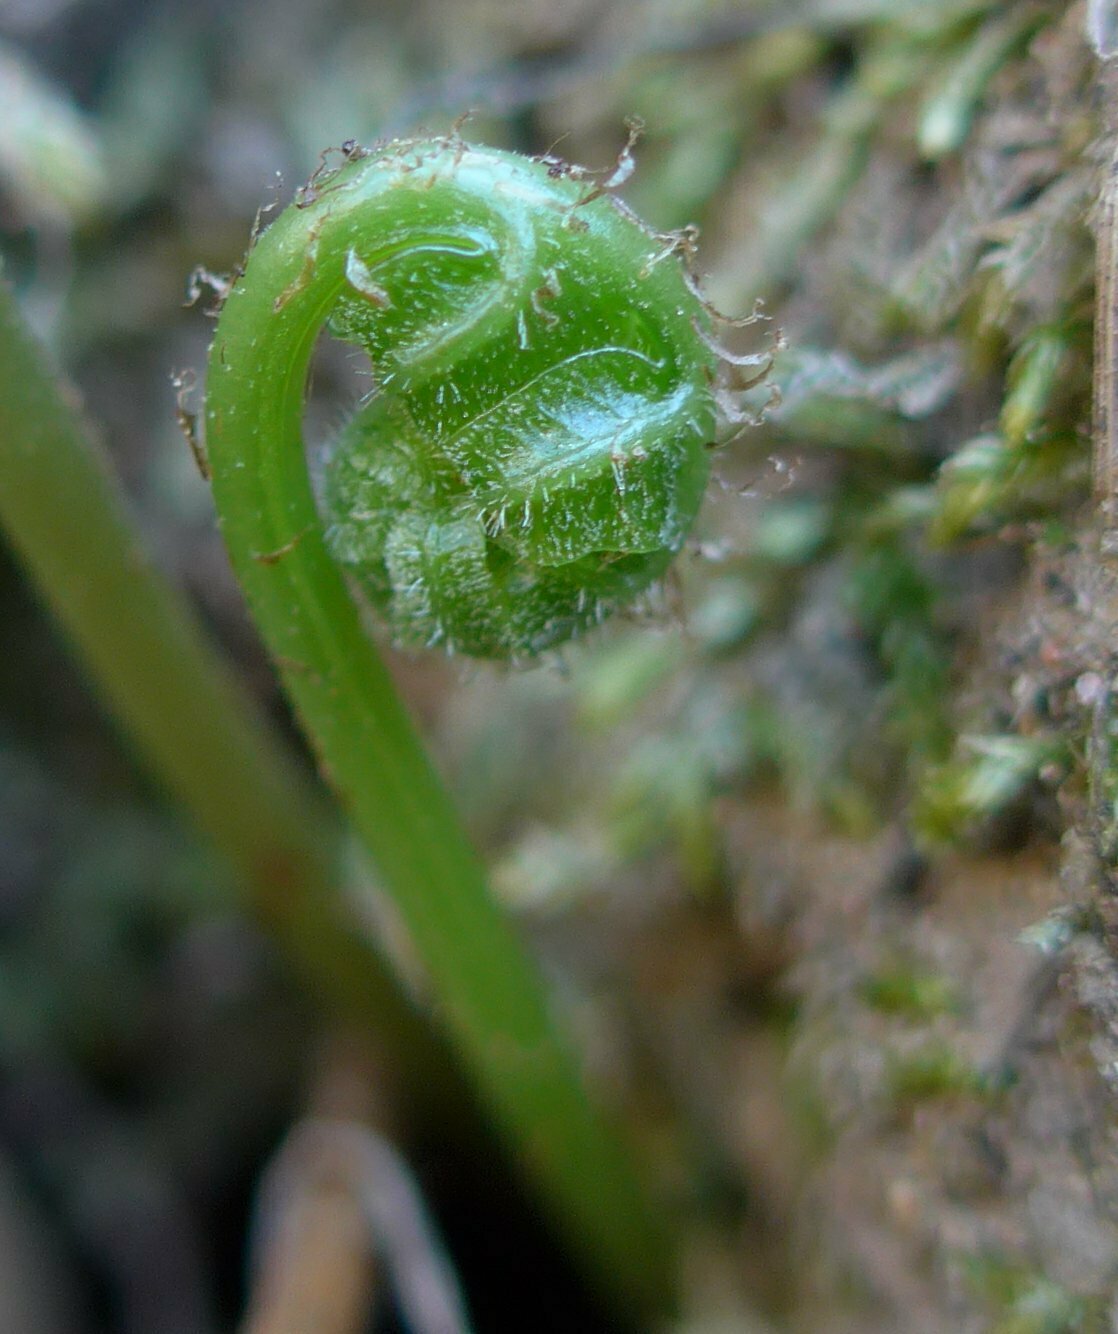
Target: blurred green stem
(191, 725)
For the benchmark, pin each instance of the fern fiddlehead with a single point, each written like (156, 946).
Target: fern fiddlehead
(532, 456)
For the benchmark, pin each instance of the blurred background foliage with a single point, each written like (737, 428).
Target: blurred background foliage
(808, 851)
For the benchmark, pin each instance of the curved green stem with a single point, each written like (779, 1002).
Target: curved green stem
(487, 992)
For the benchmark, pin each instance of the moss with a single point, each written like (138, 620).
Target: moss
(1025, 1302)
(908, 991)
(933, 1070)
